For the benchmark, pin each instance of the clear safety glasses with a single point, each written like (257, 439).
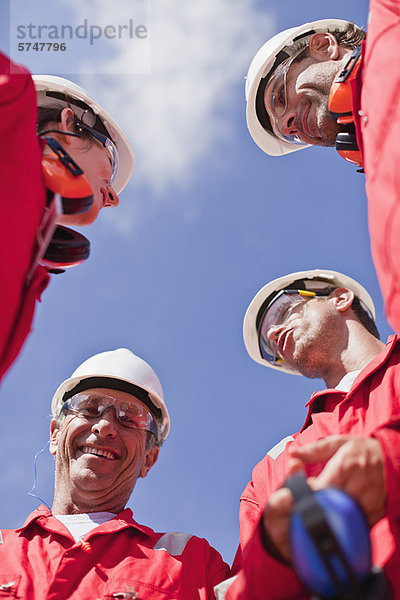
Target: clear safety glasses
(276, 97)
(107, 143)
(277, 312)
(93, 406)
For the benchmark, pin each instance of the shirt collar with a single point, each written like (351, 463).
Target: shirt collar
(347, 381)
(371, 367)
(44, 518)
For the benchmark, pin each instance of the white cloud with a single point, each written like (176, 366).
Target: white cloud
(176, 115)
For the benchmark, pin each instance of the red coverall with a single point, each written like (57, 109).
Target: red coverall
(22, 203)
(378, 134)
(41, 560)
(370, 408)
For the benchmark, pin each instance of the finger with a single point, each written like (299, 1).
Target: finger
(295, 465)
(370, 494)
(280, 504)
(357, 467)
(368, 490)
(276, 519)
(321, 450)
(335, 473)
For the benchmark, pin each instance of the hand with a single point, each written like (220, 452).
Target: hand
(276, 520)
(276, 515)
(354, 464)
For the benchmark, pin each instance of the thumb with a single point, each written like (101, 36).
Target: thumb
(319, 451)
(295, 465)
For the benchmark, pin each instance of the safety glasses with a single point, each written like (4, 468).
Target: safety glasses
(277, 312)
(93, 406)
(276, 96)
(107, 143)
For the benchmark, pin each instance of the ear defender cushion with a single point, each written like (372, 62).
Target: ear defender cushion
(66, 249)
(346, 141)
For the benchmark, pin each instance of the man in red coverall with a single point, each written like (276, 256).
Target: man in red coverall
(109, 421)
(321, 324)
(97, 145)
(291, 104)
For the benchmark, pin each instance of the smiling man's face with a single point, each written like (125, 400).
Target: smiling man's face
(296, 97)
(305, 112)
(98, 460)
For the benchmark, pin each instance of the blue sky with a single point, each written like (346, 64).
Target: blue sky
(206, 220)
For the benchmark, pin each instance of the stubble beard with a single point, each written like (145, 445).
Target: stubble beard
(327, 126)
(312, 356)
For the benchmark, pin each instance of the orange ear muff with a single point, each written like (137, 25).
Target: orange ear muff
(341, 108)
(63, 176)
(67, 248)
(68, 192)
(346, 145)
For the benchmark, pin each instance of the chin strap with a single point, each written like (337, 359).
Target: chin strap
(341, 108)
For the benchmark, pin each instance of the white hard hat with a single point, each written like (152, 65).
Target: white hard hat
(60, 86)
(304, 280)
(121, 370)
(261, 66)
